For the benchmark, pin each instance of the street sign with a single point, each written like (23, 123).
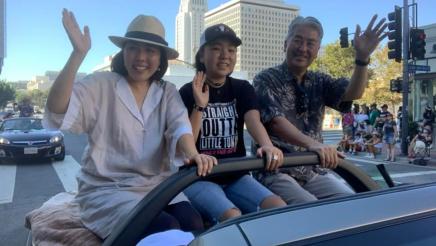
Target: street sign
(414, 68)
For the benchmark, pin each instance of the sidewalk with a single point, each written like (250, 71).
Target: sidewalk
(399, 158)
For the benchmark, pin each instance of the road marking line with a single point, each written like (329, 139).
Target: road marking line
(67, 171)
(410, 174)
(397, 175)
(7, 182)
(363, 160)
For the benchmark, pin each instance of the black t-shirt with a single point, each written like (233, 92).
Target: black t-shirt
(389, 127)
(222, 128)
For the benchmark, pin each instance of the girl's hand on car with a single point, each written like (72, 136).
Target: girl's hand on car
(81, 41)
(274, 156)
(204, 163)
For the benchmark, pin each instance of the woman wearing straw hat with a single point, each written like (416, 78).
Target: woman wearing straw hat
(138, 130)
(218, 106)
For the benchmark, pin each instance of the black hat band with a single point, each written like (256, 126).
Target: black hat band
(146, 36)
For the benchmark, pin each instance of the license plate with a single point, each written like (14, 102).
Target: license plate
(30, 151)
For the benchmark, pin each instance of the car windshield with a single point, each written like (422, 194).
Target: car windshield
(22, 125)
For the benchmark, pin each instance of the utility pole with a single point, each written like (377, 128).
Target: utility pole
(405, 110)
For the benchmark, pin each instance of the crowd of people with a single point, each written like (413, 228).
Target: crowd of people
(422, 142)
(370, 130)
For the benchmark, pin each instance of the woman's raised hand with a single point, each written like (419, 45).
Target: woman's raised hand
(81, 41)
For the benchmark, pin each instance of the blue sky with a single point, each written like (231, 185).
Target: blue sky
(36, 40)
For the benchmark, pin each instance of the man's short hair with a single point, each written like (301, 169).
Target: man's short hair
(309, 20)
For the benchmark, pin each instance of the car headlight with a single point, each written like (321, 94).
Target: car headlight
(55, 139)
(4, 140)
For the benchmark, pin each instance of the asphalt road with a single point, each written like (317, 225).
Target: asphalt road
(26, 186)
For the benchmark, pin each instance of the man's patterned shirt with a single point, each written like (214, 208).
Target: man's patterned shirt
(303, 105)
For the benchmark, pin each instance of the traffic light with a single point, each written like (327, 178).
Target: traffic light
(417, 44)
(395, 35)
(344, 37)
(395, 85)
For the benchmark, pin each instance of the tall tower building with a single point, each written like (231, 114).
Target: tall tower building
(262, 26)
(189, 25)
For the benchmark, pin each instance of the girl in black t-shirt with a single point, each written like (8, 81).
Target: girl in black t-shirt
(218, 106)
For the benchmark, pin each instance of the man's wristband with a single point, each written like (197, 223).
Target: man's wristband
(361, 63)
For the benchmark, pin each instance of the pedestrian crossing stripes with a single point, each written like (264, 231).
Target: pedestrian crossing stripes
(66, 171)
(7, 182)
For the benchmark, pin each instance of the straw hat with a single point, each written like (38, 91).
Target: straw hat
(146, 29)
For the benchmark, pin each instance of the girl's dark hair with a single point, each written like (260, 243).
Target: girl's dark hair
(118, 66)
(199, 66)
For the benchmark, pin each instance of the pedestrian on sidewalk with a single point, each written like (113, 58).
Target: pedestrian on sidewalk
(390, 133)
(399, 119)
(384, 112)
(356, 109)
(357, 144)
(373, 114)
(374, 145)
(344, 144)
(428, 117)
(347, 123)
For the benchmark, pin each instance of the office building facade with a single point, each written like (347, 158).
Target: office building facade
(262, 26)
(423, 85)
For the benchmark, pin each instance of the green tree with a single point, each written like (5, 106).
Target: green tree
(339, 62)
(384, 70)
(7, 93)
(335, 61)
(37, 97)
(20, 95)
